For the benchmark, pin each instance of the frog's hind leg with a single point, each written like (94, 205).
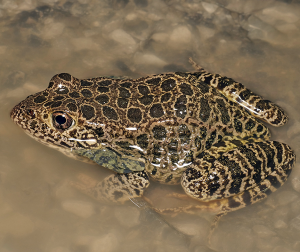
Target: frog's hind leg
(218, 175)
(114, 188)
(238, 93)
(240, 176)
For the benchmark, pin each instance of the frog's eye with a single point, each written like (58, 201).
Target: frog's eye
(62, 121)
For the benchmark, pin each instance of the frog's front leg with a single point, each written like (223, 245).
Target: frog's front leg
(114, 188)
(240, 176)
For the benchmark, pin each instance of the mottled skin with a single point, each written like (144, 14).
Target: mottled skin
(197, 129)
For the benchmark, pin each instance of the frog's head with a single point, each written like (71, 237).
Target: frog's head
(62, 116)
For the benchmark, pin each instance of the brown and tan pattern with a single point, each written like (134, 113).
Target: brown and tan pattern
(197, 129)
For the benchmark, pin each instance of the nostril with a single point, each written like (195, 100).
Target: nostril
(31, 113)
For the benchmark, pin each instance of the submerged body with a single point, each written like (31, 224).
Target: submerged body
(197, 129)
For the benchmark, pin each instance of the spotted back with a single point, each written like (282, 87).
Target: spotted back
(164, 119)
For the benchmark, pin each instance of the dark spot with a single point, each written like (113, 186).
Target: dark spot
(186, 89)
(245, 95)
(99, 132)
(62, 90)
(154, 81)
(102, 99)
(124, 93)
(56, 104)
(142, 141)
(85, 83)
(86, 93)
(126, 84)
(58, 98)
(144, 90)
(45, 116)
(110, 113)
(180, 106)
(137, 192)
(74, 94)
(103, 89)
(224, 82)
(134, 115)
(259, 128)
(47, 104)
(124, 144)
(246, 197)
(223, 110)
(104, 83)
(156, 111)
(279, 151)
(154, 170)
(238, 126)
(181, 100)
(72, 107)
(204, 110)
(117, 195)
(123, 102)
(232, 203)
(165, 97)
(40, 99)
(249, 125)
(146, 100)
(207, 79)
(65, 76)
(45, 93)
(168, 84)
(88, 112)
(204, 88)
(169, 178)
(159, 132)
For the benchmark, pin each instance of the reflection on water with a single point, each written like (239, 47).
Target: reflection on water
(255, 42)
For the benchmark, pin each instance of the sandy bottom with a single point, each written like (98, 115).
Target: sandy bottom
(255, 42)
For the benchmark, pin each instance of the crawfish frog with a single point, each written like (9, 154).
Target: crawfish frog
(197, 129)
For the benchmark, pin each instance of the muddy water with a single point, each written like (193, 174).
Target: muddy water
(254, 42)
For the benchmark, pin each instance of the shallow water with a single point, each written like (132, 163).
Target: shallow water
(255, 42)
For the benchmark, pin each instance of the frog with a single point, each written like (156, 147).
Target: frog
(204, 131)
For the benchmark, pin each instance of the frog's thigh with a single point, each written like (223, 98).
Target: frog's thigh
(116, 187)
(240, 176)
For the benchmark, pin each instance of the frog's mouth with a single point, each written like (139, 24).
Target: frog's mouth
(28, 118)
(20, 115)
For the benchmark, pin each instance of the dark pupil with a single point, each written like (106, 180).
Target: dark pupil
(60, 119)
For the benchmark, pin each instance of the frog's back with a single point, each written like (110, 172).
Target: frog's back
(165, 119)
